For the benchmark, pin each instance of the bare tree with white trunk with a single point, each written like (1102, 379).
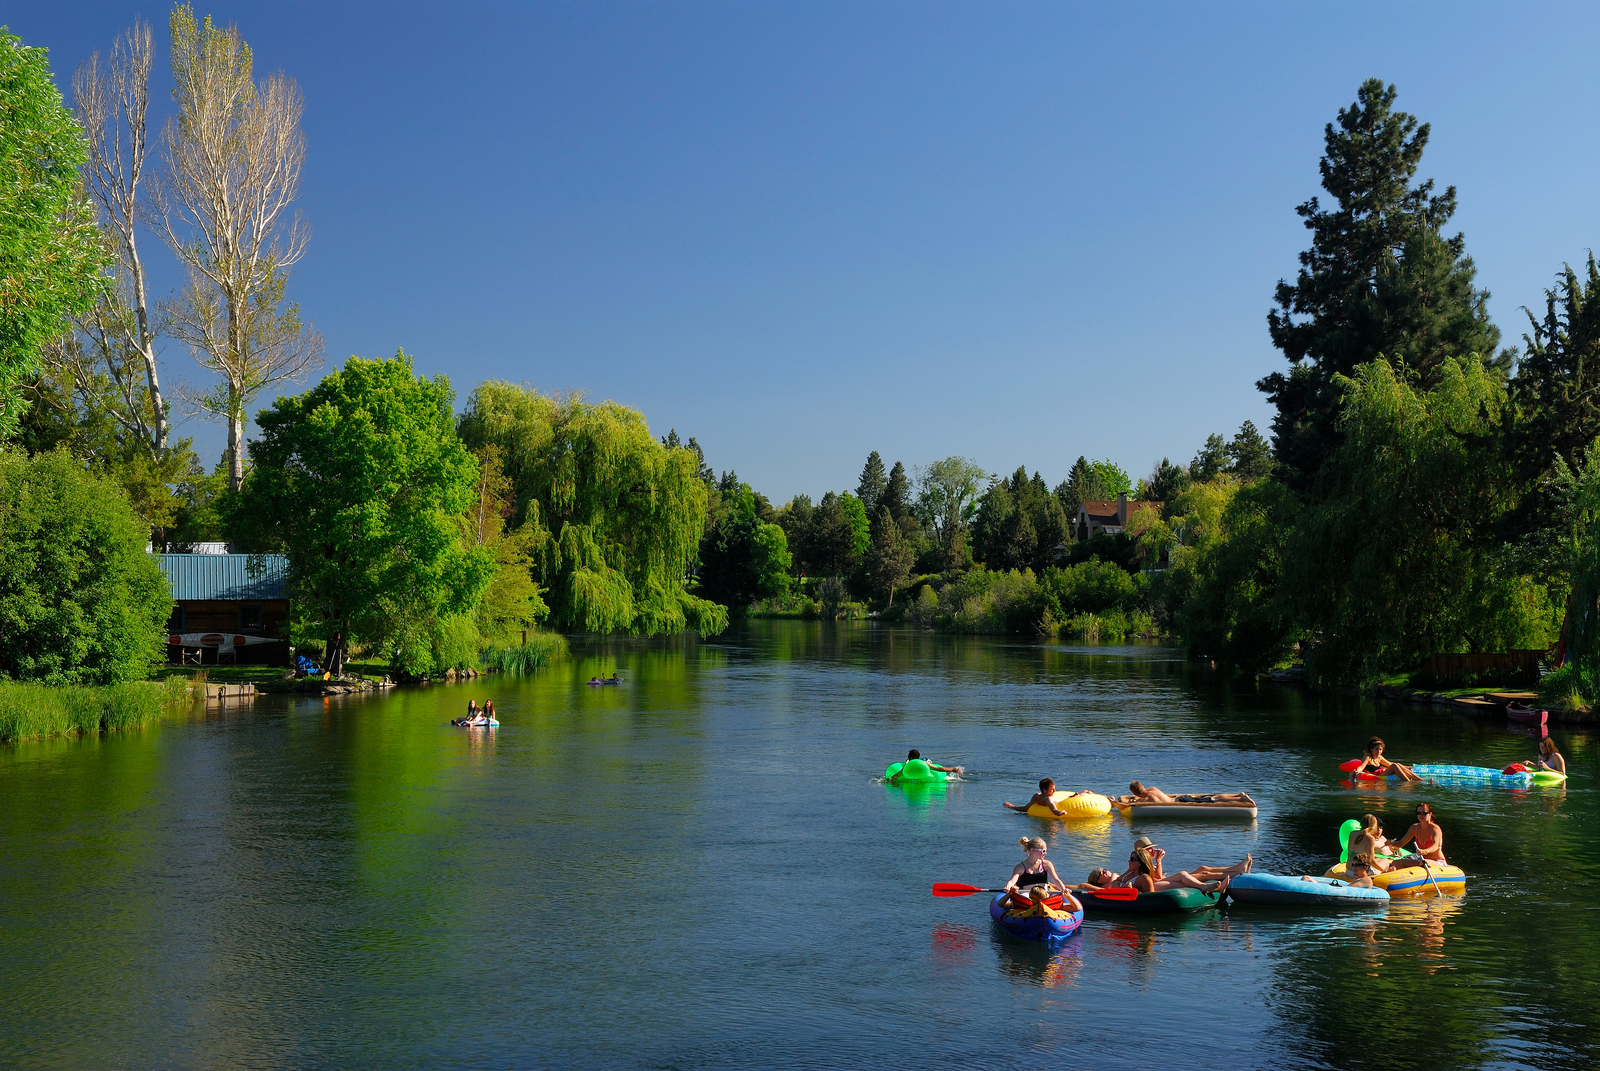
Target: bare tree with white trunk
(233, 154)
(112, 361)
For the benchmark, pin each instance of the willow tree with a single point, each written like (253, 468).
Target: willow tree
(624, 513)
(1393, 564)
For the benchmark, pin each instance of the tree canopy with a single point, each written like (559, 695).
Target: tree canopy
(363, 484)
(624, 512)
(1380, 279)
(80, 600)
(51, 253)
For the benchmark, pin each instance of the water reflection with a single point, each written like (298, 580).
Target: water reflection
(1050, 965)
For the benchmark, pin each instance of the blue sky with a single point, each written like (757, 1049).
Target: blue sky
(801, 232)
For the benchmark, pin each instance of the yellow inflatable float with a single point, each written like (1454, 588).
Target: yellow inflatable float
(1083, 805)
(1413, 879)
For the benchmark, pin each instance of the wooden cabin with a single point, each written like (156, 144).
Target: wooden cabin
(230, 608)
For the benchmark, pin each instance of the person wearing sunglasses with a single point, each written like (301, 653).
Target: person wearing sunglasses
(1427, 841)
(1034, 869)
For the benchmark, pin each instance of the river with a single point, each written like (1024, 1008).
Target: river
(702, 868)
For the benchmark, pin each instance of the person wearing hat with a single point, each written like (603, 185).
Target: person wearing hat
(1147, 860)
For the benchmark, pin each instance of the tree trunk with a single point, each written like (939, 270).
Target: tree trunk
(235, 439)
(333, 662)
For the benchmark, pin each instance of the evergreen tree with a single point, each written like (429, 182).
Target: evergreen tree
(1083, 483)
(1210, 461)
(1557, 385)
(1379, 279)
(890, 557)
(1167, 481)
(874, 482)
(1249, 456)
(896, 497)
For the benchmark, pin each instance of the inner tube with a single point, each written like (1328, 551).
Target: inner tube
(912, 770)
(1412, 879)
(1085, 805)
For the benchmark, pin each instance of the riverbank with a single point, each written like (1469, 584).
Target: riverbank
(33, 711)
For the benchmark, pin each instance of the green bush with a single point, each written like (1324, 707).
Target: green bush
(541, 649)
(80, 600)
(1111, 627)
(1569, 688)
(29, 711)
(1089, 587)
(995, 603)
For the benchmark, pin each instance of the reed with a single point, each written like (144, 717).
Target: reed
(541, 649)
(30, 711)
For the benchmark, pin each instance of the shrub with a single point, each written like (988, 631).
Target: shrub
(1570, 688)
(80, 600)
(1089, 587)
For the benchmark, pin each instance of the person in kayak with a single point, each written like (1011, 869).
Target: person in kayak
(1034, 869)
(1368, 840)
(1037, 896)
(1374, 763)
(1550, 758)
(915, 754)
(1358, 872)
(1428, 838)
(1155, 795)
(1045, 797)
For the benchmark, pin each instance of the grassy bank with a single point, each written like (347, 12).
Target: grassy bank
(541, 649)
(31, 711)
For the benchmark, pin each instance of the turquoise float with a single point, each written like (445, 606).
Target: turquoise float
(1281, 890)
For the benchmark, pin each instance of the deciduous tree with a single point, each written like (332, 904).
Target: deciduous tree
(233, 155)
(362, 482)
(51, 253)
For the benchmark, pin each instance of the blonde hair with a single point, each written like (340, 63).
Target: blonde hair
(1147, 861)
(1030, 844)
(1370, 825)
(1039, 892)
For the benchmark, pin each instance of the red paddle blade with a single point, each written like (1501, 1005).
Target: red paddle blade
(954, 888)
(1122, 893)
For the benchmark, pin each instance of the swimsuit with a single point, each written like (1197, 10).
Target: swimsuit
(1029, 877)
(1196, 799)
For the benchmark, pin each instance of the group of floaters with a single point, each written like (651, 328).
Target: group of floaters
(477, 717)
(1547, 768)
(1036, 903)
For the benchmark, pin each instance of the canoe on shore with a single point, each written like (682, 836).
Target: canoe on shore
(1526, 714)
(1166, 902)
(1280, 890)
(1136, 809)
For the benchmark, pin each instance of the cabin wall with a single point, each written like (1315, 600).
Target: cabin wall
(251, 617)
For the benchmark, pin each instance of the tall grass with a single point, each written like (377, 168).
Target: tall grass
(541, 649)
(1568, 688)
(29, 711)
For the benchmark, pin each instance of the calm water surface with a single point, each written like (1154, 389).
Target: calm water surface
(701, 869)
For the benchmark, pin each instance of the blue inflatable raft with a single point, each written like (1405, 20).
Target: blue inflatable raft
(1034, 927)
(1281, 890)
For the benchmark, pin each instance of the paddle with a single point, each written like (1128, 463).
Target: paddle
(953, 888)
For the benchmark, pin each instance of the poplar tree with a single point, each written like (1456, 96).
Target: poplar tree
(1380, 279)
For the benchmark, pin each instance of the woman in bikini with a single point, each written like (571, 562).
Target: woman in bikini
(1035, 869)
(1367, 841)
(1429, 840)
(1375, 763)
(1550, 758)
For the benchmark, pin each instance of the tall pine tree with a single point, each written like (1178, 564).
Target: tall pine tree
(1379, 278)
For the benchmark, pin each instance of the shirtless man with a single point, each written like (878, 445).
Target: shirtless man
(1045, 798)
(1429, 840)
(1155, 795)
(915, 754)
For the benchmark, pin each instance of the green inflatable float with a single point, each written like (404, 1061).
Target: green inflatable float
(915, 770)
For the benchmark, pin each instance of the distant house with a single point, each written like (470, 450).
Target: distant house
(1107, 516)
(225, 612)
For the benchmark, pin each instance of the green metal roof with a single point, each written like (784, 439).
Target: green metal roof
(225, 577)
